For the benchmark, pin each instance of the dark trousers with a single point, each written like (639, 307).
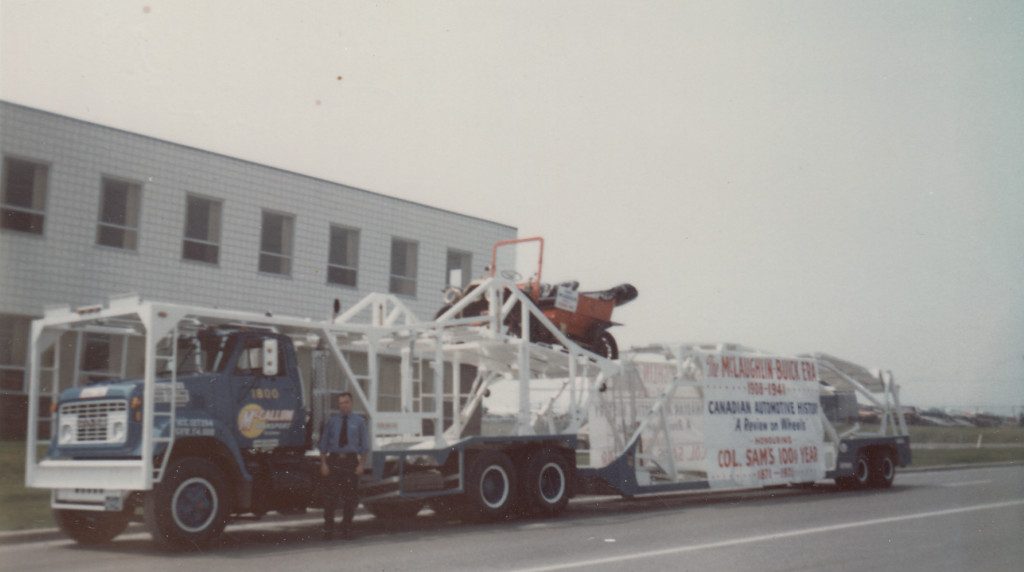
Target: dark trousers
(340, 485)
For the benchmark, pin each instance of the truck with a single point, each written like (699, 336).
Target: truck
(218, 415)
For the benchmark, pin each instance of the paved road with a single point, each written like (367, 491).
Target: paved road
(944, 520)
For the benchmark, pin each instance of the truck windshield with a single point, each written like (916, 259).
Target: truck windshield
(200, 354)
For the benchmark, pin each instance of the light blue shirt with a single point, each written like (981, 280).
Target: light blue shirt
(358, 441)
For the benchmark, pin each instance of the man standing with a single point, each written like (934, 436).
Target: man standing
(343, 448)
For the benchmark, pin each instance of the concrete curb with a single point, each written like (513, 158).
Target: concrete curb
(45, 534)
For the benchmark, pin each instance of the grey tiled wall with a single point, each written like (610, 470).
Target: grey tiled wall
(65, 266)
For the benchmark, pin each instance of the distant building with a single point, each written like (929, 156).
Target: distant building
(89, 211)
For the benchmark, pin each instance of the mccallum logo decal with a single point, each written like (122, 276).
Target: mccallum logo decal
(251, 422)
(253, 419)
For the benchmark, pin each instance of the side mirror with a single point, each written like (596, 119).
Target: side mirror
(270, 357)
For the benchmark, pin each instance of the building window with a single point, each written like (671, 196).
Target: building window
(202, 230)
(277, 233)
(119, 214)
(14, 333)
(460, 265)
(24, 196)
(343, 258)
(403, 266)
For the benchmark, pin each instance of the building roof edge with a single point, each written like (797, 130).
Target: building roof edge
(4, 102)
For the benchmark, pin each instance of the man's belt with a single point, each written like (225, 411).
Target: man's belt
(343, 456)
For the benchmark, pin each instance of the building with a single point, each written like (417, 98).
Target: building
(90, 211)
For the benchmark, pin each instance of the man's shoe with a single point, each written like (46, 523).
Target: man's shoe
(347, 535)
(328, 534)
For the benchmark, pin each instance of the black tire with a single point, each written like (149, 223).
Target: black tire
(190, 507)
(91, 527)
(394, 510)
(490, 487)
(544, 488)
(862, 471)
(861, 474)
(883, 470)
(606, 346)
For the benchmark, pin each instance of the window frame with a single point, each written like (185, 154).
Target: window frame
(467, 275)
(330, 244)
(41, 212)
(415, 276)
(220, 229)
(13, 327)
(137, 229)
(288, 257)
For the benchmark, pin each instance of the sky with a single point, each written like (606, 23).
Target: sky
(798, 177)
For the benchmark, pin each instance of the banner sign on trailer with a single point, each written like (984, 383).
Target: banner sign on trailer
(761, 420)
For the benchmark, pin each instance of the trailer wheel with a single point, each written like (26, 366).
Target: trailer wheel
(862, 471)
(490, 487)
(394, 510)
(545, 483)
(861, 474)
(883, 470)
(91, 527)
(189, 508)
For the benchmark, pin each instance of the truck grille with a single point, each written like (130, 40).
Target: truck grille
(91, 421)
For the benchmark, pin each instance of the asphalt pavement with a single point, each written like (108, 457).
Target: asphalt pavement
(970, 519)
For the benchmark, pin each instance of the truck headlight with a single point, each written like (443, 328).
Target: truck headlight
(117, 431)
(67, 433)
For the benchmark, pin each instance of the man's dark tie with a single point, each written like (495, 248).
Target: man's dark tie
(343, 438)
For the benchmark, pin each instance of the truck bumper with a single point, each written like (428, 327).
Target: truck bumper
(87, 474)
(99, 500)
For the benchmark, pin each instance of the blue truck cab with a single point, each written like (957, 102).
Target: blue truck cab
(241, 432)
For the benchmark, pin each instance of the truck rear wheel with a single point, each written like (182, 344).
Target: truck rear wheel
(545, 484)
(883, 470)
(490, 487)
(189, 508)
(91, 527)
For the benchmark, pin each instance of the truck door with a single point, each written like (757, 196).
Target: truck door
(269, 399)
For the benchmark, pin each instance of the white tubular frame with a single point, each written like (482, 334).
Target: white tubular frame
(892, 422)
(481, 341)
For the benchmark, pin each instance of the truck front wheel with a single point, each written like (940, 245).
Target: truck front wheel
(189, 508)
(91, 527)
